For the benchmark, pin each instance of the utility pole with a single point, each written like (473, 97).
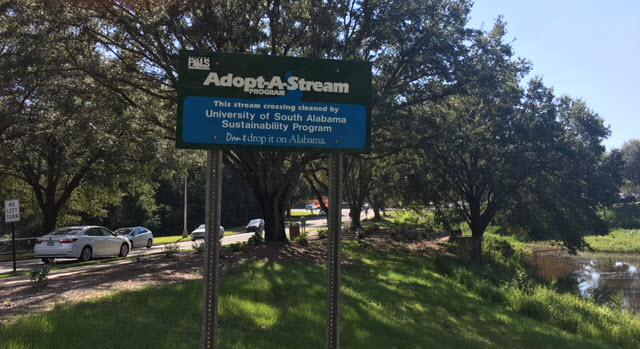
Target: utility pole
(185, 233)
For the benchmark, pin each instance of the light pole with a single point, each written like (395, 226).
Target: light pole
(185, 233)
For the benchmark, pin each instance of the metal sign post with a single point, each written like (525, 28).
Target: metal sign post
(270, 103)
(212, 250)
(333, 251)
(12, 215)
(13, 246)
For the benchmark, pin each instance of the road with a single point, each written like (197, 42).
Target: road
(28, 264)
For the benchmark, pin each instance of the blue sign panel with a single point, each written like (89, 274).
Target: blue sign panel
(266, 102)
(279, 122)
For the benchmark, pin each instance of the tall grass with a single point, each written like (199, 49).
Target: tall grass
(619, 240)
(508, 279)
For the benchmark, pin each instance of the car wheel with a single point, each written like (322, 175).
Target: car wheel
(86, 254)
(47, 260)
(149, 243)
(124, 250)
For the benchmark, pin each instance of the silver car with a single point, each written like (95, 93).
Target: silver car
(82, 242)
(198, 233)
(255, 226)
(138, 236)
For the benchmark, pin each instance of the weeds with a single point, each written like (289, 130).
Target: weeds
(198, 247)
(301, 240)
(170, 250)
(40, 278)
(256, 239)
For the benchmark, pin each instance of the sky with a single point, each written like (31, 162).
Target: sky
(587, 49)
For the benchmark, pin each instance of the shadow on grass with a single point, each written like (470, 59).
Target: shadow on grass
(389, 301)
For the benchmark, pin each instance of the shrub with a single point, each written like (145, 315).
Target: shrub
(256, 239)
(301, 240)
(322, 234)
(237, 247)
(607, 296)
(39, 278)
(626, 216)
(170, 250)
(198, 247)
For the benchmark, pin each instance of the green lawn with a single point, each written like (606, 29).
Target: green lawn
(619, 240)
(390, 299)
(306, 214)
(19, 256)
(164, 240)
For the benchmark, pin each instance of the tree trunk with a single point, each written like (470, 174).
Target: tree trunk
(273, 213)
(49, 219)
(354, 214)
(376, 214)
(476, 247)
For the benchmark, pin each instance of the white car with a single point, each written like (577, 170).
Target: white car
(198, 233)
(82, 242)
(138, 236)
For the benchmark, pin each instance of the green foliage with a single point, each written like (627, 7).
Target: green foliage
(390, 299)
(170, 250)
(39, 278)
(301, 240)
(322, 234)
(507, 279)
(256, 239)
(631, 156)
(413, 219)
(626, 216)
(607, 296)
(237, 247)
(198, 246)
(621, 240)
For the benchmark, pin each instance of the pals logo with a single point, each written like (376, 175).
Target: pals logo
(199, 63)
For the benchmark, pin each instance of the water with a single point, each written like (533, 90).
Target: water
(619, 272)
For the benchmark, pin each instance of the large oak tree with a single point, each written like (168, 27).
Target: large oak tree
(411, 44)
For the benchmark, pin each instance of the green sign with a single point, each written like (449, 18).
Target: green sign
(234, 101)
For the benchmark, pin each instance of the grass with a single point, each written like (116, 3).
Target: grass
(306, 214)
(19, 256)
(619, 240)
(391, 299)
(164, 240)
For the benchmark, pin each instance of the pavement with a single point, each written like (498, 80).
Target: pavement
(28, 264)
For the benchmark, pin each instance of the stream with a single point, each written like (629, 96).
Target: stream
(619, 272)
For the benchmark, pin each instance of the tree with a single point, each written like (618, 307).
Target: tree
(70, 131)
(494, 148)
(469, 146)
(560, 201)
(409, 42)
(631, 155)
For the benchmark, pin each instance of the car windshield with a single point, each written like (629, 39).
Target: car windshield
(123, 231)
(200, 227)
(66, 231)
(254, 222)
